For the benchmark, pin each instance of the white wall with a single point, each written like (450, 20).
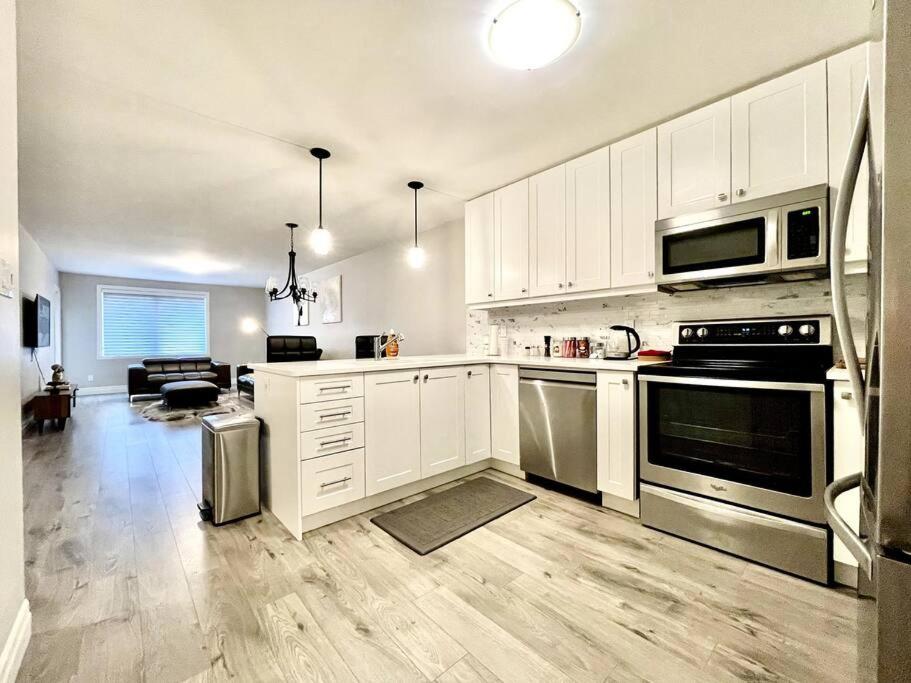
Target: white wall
(380, 290)
(37, 275)
(12, 582)
(227, 306)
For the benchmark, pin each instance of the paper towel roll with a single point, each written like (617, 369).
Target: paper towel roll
(493, 334)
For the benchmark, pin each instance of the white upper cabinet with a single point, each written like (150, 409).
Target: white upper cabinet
(511, 241)
(442, 420)
(847, 72)
(694, 161)
(479, 262)
(588, 222)
(778, 135)
(634, 209)
(477, 413)
(547, 232)
(392, 429)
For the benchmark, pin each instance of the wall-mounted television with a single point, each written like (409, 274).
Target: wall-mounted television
(36, 322)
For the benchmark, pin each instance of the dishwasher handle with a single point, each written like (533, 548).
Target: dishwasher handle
(564, 376)
(562, 385)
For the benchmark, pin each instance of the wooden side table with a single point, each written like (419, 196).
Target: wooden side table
(57, 406)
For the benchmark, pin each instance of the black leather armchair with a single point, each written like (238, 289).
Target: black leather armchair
(147, 376)
(279, 349)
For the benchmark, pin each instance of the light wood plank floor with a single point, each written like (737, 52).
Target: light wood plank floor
(125, 584)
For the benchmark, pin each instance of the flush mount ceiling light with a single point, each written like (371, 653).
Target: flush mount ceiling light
(529, 34)
(320, 239)
(416, 256)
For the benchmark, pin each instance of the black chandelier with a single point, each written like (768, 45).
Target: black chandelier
(299, 295)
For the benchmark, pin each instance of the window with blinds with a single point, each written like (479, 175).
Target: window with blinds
(139, 323)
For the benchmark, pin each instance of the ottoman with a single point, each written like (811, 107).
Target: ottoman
(188, 393)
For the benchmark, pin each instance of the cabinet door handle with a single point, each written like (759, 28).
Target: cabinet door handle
(651, 273)
(416, 378)
(333, 483)
(847, 395)
(426, 377)
(569, 284)
(524, 290)
(323, 444)
(741, 192)
(624, 382)
(560, 285)
(469, 373)
(326, 416)
(489, 293)
(722, 196)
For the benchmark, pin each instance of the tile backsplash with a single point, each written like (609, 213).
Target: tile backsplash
(652, 314)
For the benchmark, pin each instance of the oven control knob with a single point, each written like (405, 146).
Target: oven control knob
(785, 331)
(686, 332)
(806, 330)
(702, 332)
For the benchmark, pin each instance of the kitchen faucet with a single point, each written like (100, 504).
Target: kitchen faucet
(378, 347)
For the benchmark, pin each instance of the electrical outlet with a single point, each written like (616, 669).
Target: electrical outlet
(91, 378)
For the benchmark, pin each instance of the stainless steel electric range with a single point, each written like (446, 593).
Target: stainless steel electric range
(734, 440)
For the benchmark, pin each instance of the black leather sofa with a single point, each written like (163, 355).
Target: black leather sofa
(279, 349)
(147, 376)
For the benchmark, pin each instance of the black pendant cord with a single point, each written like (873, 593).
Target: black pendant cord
(321, 192)
(415, 185)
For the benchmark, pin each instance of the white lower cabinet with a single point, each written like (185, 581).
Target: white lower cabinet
(442, 420)
(848, 458)
(477, 413)
(617, 434)
(392, 419)
(331, 480)
(504, 413)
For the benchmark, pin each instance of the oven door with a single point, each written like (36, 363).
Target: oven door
(721, 248)
(754, 443)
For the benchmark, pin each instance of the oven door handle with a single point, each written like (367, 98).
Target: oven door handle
(853, 542)
(734, 383)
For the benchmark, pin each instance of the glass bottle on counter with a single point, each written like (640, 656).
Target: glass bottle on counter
(556, 349)
(583, 350)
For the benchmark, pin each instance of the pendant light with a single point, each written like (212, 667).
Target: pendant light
(416, 257)
(320, 238)
(298, 294)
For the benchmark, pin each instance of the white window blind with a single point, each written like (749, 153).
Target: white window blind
(139, 323)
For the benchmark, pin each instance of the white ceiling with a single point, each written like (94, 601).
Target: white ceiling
(145, 126)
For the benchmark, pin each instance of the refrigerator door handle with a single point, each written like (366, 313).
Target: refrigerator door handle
(837, 251)
(854, 543)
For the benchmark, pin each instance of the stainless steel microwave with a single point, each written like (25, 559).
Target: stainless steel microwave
(783, 237)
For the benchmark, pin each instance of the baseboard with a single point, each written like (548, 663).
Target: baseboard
(627, 507)
(506, 468)
(16, 644)
(95, 391)
(844, 574)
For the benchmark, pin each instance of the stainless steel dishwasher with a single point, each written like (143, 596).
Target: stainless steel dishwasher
(557, 426)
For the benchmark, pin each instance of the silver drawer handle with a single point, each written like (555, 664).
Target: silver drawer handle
(847, 395)
(340, 387)
(333, 483)
(328, 415)
(323, 444)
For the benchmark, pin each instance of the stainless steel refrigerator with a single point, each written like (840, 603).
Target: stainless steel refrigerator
(883, 546)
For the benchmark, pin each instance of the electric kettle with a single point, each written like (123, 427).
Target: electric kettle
(619, 344)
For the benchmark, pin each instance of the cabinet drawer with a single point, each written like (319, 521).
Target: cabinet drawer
(331, 387)
(331, 413)
(331, 440)
(331, 480)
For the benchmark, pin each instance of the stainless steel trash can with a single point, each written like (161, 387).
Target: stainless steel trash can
(230, 468)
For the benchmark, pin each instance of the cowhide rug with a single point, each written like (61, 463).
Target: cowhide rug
(227, 403)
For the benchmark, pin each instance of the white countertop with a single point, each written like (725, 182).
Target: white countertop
(349, 365)
(841, 374)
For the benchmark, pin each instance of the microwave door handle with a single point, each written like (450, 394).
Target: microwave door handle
(837, 251)
(853, 542)
(772, 256)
